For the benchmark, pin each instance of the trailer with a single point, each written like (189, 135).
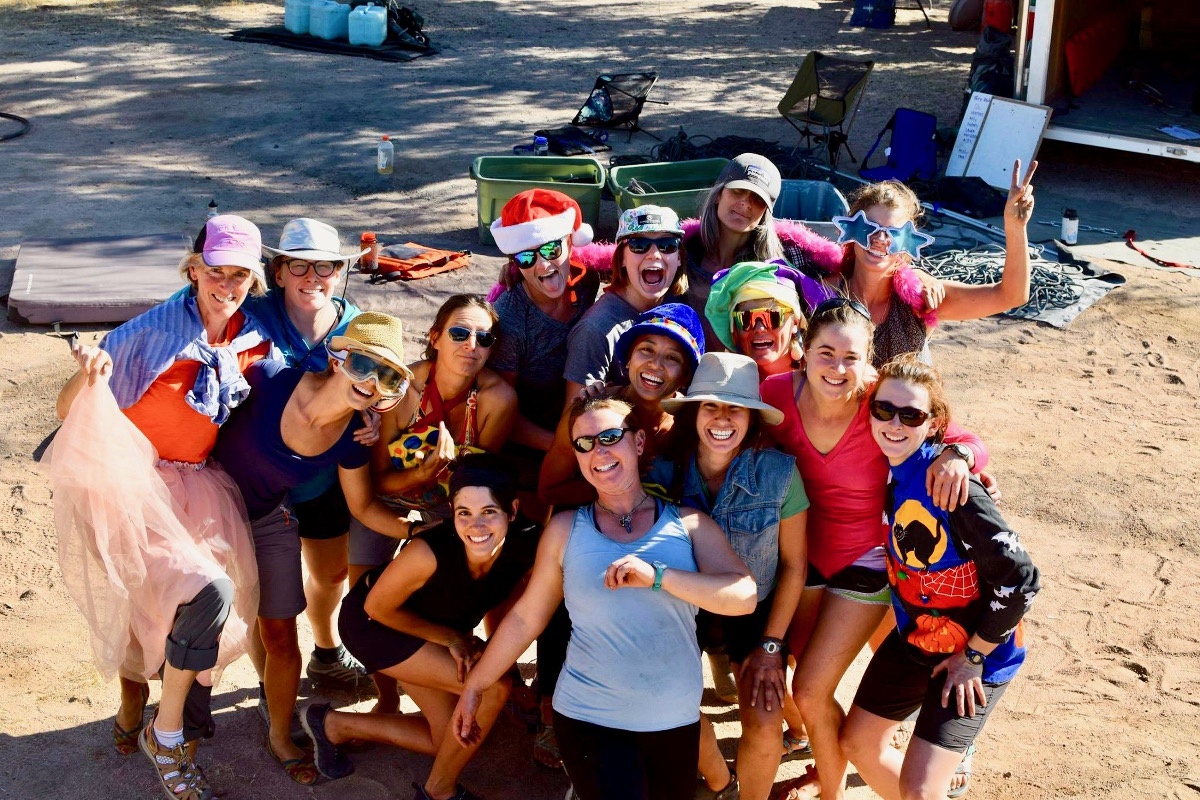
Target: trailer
(1115, 72)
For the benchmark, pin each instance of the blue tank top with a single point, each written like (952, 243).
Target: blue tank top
(633, 662)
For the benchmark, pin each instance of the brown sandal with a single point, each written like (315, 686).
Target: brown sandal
(302, 770)
(126, 741)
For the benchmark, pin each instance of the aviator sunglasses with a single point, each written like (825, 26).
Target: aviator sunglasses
(527, 258)
(771, 318)
(641, 244)
(458, 334)
(607, 437)
(910, 417)
(361, 367)
(299, 267)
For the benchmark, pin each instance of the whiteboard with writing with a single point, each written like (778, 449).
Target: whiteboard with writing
(996, 131)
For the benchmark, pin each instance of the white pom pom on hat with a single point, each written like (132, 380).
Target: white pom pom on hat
(537, 216)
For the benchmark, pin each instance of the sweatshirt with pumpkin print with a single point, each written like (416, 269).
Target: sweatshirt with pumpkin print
(954, 574)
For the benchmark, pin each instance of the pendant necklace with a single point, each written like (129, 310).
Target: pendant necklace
(625, 520)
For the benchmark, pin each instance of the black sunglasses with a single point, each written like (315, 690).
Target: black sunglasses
(299, 267)
(910, 417)
(834, 303)
(641, 244)
(527, 258)
(771, 318)
(607, 437)
(458, 334)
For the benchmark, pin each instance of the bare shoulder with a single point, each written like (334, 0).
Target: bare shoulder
(496, 388)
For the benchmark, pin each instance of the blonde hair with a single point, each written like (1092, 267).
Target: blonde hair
(258, 284)
(889, 194)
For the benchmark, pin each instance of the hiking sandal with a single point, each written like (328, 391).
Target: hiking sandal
(178, 774)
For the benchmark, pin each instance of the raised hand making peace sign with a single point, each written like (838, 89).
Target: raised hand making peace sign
(1019, 207)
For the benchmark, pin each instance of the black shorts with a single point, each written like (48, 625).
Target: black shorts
(895, 685)
(858, 583)
(323, 517)
(375, 645)
(735, 636)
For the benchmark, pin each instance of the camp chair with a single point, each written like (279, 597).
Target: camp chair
(913, 148)
(617, 100)
(825, 94)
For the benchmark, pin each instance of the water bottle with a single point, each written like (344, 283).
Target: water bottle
(541, 146)
(370, 260)
(385, 156)
(212, 208)
(1070, 226)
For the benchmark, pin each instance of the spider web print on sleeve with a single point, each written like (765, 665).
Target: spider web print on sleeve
(961, 581)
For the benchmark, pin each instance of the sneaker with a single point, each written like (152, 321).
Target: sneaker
(731, 791)
(462, 793)
(345, 674)
(178, 774)
(331, 762)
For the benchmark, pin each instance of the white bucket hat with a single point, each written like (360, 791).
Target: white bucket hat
(730, 378)
(311, 240)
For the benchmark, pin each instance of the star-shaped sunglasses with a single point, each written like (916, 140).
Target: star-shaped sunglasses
(905, 239)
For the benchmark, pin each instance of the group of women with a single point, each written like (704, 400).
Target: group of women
(697, 459)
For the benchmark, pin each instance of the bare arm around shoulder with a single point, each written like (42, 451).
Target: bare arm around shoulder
(369, 509)
(723, 584)
(975, 302)
(559, 481)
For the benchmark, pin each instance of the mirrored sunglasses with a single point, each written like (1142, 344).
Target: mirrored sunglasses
(910, 417)
(527, 258)
(607, 437)
(361, 367)
(458, 334)
(771, 318)
(299, 267)
(641, 244)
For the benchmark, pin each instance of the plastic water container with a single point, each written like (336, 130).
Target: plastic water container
(329, 20)
(368, 25)
(295, 16)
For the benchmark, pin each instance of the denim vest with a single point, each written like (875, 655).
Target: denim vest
(747, 508)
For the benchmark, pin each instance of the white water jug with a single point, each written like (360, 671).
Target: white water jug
(368, 25)
(328, 20)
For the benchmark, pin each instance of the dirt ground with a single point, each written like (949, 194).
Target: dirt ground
(142, 113)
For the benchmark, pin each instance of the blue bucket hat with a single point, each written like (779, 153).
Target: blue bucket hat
(676, 320)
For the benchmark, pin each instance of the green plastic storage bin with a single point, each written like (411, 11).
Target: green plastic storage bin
(499, 178)
(680, 185)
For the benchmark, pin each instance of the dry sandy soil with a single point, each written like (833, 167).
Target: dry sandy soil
(142, 113)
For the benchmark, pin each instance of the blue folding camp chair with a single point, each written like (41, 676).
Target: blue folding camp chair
(913, 148)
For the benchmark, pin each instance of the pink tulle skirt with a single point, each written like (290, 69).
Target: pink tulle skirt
(138, 537)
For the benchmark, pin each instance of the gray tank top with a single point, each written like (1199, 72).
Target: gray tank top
(633, 662)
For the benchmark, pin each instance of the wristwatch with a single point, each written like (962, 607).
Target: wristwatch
(772, 646)
(960, 450)
(659, 568)
(974, 656)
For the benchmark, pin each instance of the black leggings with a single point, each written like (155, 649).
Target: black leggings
(612, 764)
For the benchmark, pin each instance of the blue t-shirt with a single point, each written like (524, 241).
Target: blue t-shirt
(251, 449)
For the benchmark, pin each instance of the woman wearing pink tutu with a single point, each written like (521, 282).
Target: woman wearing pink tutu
(153, 540)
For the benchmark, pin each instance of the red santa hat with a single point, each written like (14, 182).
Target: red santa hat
(537, 216)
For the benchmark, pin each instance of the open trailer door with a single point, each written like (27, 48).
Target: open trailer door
(1116, 72)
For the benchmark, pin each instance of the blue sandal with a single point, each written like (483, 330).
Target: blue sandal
(964, 769)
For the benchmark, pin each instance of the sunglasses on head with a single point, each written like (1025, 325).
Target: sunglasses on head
(607, 437)
(834, 303)
(641, 244)
(771, 318)
(458, 334)
(361, 367)
(910, 417)
(527, 258)
(299, 267)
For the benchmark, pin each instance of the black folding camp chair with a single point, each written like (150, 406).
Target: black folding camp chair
(617, 100)
(825, 94)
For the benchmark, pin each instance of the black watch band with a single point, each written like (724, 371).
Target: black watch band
(974, 656)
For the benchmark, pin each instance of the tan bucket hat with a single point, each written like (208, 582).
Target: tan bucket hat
(730, 378)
